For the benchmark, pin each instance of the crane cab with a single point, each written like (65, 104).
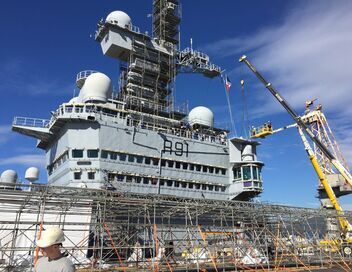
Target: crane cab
(262, 131)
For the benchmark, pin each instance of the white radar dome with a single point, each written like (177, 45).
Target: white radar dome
(201, 116)
(9, 176)
(119, 18)
(32, 174)
(96, 88)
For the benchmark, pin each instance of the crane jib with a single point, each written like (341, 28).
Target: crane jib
(288, 108)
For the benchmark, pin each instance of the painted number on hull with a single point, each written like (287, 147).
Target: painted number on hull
(179, 148)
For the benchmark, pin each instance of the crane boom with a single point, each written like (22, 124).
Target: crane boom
(345, 225)
(345, 173)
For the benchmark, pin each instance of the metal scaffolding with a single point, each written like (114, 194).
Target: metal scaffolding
(112, 231)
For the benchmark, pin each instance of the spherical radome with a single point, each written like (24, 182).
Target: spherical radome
(119, 18)
(32, 174)
(97, 87)
(201, 116)
(9, 176)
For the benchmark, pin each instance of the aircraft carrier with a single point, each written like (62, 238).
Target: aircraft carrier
(136, 140)
(139, 184)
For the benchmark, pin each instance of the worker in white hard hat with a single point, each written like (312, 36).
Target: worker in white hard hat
(53, 260)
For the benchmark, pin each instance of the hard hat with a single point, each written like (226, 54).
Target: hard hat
(51, 236)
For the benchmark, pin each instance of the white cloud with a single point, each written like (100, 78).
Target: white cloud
(26, 160)
(307, 56)
(4, 133)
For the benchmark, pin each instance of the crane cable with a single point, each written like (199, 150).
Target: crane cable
(245, 116)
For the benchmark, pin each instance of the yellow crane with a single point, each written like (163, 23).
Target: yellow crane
(338, 165)
(346, 241)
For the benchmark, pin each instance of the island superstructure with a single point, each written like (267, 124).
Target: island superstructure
(137, 140)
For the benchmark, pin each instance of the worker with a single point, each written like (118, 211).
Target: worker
(53, 260)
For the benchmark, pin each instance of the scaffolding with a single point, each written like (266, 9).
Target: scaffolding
(113, 231)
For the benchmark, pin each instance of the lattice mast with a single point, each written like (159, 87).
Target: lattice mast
(319, 125)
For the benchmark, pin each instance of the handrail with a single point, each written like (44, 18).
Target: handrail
(31, 122)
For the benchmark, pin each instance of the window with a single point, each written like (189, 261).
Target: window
(185, 166)
(177, 184)
(184, 184)
(191, 167)
(178, 165)
(145, 180)
(246, 173)
(190, 185)
(163, 163)
(77, 175)
(120, 178)
(255, 172)
(217, 170)
(171, 164)
(204, 186)
(223, 171)
(147, 160)
(198, 168)
(130, 158)
(169, 183)
(205, 169)
(217, 188)
(92, 153)
(162, 182)
(129, 179)
(139, 159)
(211, 170)
(91, 175)
(113, 155)
(138, 179)
(237, 173)
(104, 154)
(77, 153)
(155, 161)
(197, 186)
(210, 187)
(122, 157)
(223, 188)
(111, 176)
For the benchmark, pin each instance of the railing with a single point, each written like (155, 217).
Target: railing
(31, 122)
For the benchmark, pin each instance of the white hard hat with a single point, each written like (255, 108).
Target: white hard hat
(51, 236)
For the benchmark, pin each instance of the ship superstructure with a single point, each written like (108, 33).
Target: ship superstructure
(137, 140)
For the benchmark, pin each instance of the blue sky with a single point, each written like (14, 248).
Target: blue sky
(302, 47)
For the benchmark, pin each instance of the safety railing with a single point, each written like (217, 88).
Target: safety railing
(31, 122)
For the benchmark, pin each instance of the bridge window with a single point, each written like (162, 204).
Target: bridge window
(104, 154)
(139, 159)
(169, 183)
(92, 153)
(147, 160)
(113, 155)
(122, 157)
(155, 161)
(255, 172)
(171, 164)
(247, 173)
(184, 184)
(120, 178)
(237, 174)
(185, 166)
(130, 158)
(178, 165)
(91, 175)
(177, 184)
(77, 153)
(191, 167)
(205, 169)
(223, 171)
(145, 180)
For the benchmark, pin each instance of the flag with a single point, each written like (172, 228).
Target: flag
(227, 83)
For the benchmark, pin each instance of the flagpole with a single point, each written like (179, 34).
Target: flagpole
(229, 106)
